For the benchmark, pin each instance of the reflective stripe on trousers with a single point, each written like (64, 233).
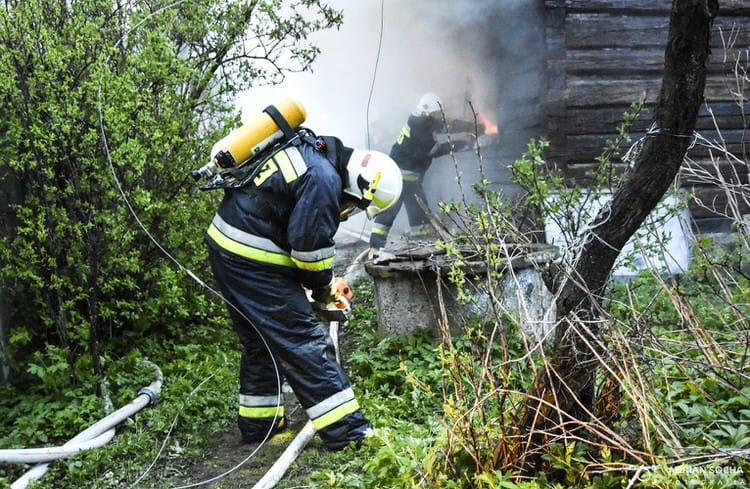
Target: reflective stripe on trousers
(333, 409)
(261, 407)
(273, 313)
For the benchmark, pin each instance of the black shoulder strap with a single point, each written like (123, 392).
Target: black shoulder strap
(274, 114)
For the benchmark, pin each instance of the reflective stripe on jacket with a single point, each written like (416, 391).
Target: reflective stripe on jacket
(286, 216)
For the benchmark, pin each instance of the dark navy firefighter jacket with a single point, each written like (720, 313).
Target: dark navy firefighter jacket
(287, 216)
(417, 146)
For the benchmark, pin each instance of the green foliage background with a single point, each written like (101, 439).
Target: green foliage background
(108, 106)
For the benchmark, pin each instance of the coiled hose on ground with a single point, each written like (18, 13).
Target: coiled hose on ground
(97, 435)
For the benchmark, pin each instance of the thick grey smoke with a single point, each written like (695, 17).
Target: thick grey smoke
(365, 82)
(464, 50)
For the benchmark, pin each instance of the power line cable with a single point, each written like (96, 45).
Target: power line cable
(375, 70)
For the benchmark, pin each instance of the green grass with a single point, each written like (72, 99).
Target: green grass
(421, 398)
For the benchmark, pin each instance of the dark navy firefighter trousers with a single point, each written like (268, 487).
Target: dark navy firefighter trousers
(282, 339)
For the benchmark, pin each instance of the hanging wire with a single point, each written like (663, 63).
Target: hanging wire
(375, 70)
(188, 272)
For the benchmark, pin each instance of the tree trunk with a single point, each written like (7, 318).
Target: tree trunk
(563, 393)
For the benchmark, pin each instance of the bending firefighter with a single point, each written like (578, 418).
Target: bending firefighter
(414, 150)
(270, 243)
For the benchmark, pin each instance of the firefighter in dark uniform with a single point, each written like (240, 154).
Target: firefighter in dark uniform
(269, 243)
(413, 151)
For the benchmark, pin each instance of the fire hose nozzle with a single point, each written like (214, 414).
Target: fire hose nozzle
(342, 288)
(151, 394)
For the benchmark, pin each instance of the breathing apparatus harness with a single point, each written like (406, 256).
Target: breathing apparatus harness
(230, 176)
(224, 173)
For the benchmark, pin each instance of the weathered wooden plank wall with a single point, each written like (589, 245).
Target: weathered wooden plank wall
(603, 55)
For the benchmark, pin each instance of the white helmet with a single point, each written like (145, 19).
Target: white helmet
(374, 183)
(429, 104)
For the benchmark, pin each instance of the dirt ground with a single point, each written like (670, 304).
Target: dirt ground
(228, 463)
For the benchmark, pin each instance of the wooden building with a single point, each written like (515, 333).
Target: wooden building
(603, 55)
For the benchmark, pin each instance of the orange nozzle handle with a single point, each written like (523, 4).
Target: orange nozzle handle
(342, 288)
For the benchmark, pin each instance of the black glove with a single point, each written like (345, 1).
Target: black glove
(325, 294)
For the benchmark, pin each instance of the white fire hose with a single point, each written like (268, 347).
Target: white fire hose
(97, 435)
(287, 458)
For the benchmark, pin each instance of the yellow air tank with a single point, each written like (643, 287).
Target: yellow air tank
(245, 142)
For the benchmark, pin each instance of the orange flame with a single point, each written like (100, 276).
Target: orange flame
(489, 127)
